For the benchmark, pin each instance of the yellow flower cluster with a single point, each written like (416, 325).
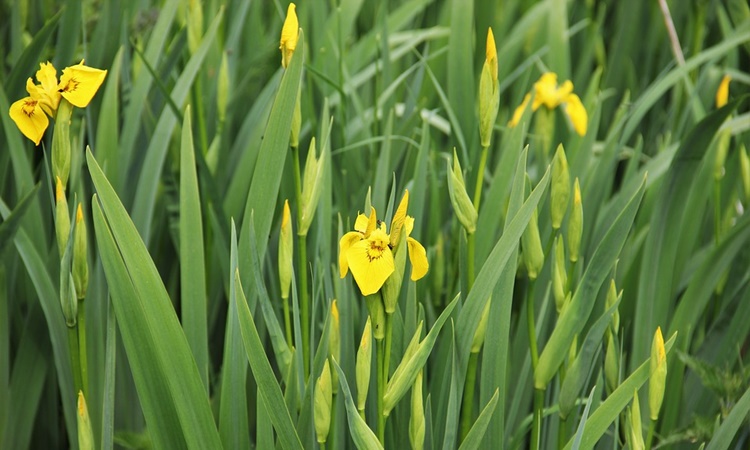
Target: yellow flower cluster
(548, 93)
(368, 251)
(78, 85)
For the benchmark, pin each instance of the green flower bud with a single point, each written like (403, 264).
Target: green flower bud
(363, 366)
(311, 187)
(61, 142)
(575, 224)
(476, 344)
(85, 432)
(80, 261)
(334, 342)
(194, 24)
(533, 254)
(559, 274)
(560, 189)
(323, 402)
(416, 421)
(611, 364)
(612, 297)
(223, 85)
(634, 430)
(68, 299)
(286, 250)
(462, 205)
(62, 217)
(745, 171)
(658, 378)
(489, 92)
(573, 350)
(376, 309)
(722, 147)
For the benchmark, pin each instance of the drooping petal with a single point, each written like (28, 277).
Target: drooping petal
(398, 220)
(418, 258)
(518, 113)
(345, 243)
(79, 83)
(30, 119)
(577, 114)
(371, 262)
(289, 35)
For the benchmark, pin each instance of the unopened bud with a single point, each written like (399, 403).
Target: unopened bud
(462, 205)
(323, 402)
(334, 341)
(575, 224)
(658, 378)
(376, 308)
(61, 142)
(222, 88)
(635, 431)
(489, 92)
(80, 260)
(533, 254)
(612, 297)
(363, 366)
(416, 421)
(85, 431)
(194, 25)
(312, 186)
(722, 93)
(559, 274)
(62, 217)
(611, 364)
(286, 249)
(560, 189)
(476, 344)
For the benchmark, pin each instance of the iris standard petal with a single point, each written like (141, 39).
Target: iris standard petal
(418, 258)
(398, 220)
(361, 223)
(344, 244)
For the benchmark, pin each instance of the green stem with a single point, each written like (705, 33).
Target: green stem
(480, 178)
(381, 392)
(75, 363)
(302, 240)
(531, 321)
(650, 435)
(388, 344)
(467, 410)
(562, 433)
(717, 211)
(82, 347)
(287, 323)
(322, 445)
(332, 428)
(536, 427)
(470, 252)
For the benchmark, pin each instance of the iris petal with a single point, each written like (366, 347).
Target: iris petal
(370, 272)
(346, 241)
(30, 119)
(79, 83)
(418, 258)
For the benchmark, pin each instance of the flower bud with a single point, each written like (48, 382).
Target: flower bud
(462, 205)
(560, 190)
(61, 142)
(722, 93)
(334, 342)
(745, 171)
(311, 187)
(80, 261)
(397, 385)
(489, 92)
(85, 432)
(323, 402)
(223, 85)
(476, 344)
(416, 421)
(289, 35)
(286, 249)
(68, 299)
(573, 350)
(635, 431)
(612, 297)
(658, 378)
(559, 275)
(533, 254)
(363, 366)
(376, 309)
(575, 224)
(194, 25)
(62, 217)
(611, 364)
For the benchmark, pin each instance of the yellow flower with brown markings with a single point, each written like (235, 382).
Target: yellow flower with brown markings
(79, 83)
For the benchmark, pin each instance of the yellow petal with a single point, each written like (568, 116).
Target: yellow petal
(30, 119)
(361, 223)
(398, 220)
(371, 262)
(372, 222)
(409, 224)
(722, 94)
(79, 83)
(518, 113)
(577, 114)
(491, 54)
(344, 244)
(418, 258)
(289, 35)
(545, 92)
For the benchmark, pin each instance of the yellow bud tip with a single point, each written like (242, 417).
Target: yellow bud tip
(286, 216)
(722, 94)
(289, 35)
(577, 193)
(491, 54)
(79, 214)
(59, 190)
(335, 310)
(81, 404)
(659, 340)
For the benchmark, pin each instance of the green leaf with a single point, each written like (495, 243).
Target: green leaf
(582, 424)
(107, 131)
(610, 409)
(362, 435)
(268, 386)
(12, 222)
(169, 379)
(728, 430)
(476, 434)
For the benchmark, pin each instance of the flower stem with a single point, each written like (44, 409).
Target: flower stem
(480, 178)
(531, 324)
(717, 211)
(562, 433)
(75, 363)
(536, 428)
(302, 240)
(470, 251)
(287, 323)
(467, 410)
(381, 391)
(83, 358)
(650, 435)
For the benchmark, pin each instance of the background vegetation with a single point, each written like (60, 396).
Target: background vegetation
(190, 163)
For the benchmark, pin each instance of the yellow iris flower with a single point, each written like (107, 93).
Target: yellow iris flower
(289, 35)
(77, 85)
(722, 93)
(548, 94)
(368, 251)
